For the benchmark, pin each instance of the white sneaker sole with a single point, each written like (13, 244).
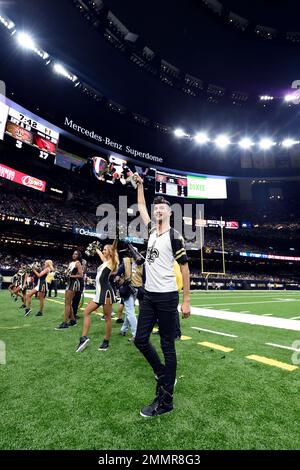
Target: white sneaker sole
(155, 416)
(82, 346)
(146, 416)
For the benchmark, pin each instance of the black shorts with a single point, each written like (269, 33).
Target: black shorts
(104, 294)
(41, 286)
(74, 285)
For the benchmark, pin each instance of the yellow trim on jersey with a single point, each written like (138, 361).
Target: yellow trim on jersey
(179, 281)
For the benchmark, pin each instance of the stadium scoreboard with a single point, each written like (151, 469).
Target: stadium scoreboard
(25, 130)
(170, 185)
(188, 186)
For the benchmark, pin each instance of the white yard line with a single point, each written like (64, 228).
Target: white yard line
(245, 303)
(251, 319)
(241, 291)
(282, 347)
(245, 294)
(212, 331)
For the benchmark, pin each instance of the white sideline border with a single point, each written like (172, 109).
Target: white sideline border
(250, 319)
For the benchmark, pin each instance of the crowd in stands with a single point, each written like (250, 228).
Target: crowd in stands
(286, 211)
(11, 262)
(246, 276)
(53, 211)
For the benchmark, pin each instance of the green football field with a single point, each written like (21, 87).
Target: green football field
(238, 386)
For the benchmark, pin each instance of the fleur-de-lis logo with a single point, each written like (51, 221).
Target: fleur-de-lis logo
(152, 253)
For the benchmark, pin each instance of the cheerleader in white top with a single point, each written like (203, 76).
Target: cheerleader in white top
(105, 295)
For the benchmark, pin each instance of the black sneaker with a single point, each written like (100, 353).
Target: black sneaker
(27, 312)
(72, 323)
(39, 314)
(119, 320)
(162, 404)
(160, 382)
(82, 343)
(122, 333)
(103, 318)
(22, 306)
(62, 326)
(104, 345)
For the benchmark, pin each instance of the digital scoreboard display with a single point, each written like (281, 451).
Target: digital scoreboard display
(205, 187)
(3, 118)
(194, 187)
(25, 130)
(170, 185)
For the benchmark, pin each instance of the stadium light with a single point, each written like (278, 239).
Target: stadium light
(6, 22)
(246, 143)
(266, 143)
(60, 70)
(291, 97)
(27, 42)
(222, 141)
(266, 98)
(201, 138)
(180, 133)
(287, 143)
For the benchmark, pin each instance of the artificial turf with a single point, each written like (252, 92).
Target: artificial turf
(53, 398)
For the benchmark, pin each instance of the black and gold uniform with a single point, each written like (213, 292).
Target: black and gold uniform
(74, 284)
(104, 289)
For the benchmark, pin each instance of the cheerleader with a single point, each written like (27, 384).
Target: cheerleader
(22, 285)
(13, 286)
(105, 295)
(40, 289)
(78, 299)
(75, 274)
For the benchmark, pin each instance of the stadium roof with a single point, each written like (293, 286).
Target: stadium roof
(211, 59)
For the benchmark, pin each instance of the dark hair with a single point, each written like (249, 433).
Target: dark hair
(161, 200)
(79, 257)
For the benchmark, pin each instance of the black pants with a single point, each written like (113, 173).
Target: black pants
(159, 308)
(178, 330)
(76, 301)
(53, 286)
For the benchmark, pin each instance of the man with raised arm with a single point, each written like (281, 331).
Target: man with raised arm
(161, 299)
